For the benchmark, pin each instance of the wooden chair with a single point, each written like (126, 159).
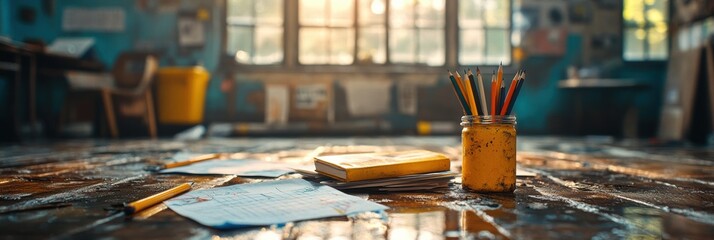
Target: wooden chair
(126, 90)
(131, 95)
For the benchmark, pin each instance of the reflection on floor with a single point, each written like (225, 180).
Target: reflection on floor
(583, 188)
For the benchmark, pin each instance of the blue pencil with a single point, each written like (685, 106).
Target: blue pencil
(515, 96)
(501, 99)
(460, 95)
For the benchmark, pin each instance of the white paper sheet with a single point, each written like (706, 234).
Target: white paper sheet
(276, 104)
(367, 98)
(107, 19)
(240, 167)
(267, 203)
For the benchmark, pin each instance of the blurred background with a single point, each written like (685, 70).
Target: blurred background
(622, 69)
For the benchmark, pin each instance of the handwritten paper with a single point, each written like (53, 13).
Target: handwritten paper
(267, 203)
(240, 167)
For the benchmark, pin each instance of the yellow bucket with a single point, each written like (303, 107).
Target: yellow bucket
(182, 94)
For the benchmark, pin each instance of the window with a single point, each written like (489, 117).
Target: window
(365, 32)
(484, 32)
(327, 32)
(416, 31)
(645, 30)
(255, 31)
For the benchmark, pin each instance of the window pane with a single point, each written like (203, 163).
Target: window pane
(268, 45)
(313, 12)
(645, 34)
(341, 13)
(634, 44)
(661, 6)
(269, 12)
(484, 34)
(431, 47)
(239, 43)
(341, 46)
(430, 13)
(471, 14)
(633, 13)
(497, 46)
(658, 45)
(401, 13)
(371, 12)
(240, 11)
(496, 13)
(371, 45)
(402, 46)
(471, 45)
(313, 46)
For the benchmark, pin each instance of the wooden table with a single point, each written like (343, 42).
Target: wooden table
(581, 190)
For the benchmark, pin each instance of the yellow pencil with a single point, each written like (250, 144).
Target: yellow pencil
(193, 160)
(144, 203)
(466, 89)
(470, 92)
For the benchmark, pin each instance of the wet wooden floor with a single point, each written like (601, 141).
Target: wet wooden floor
(582, 190)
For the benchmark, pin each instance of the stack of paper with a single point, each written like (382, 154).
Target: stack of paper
(368, 166)
(413, 170)
(422, 182)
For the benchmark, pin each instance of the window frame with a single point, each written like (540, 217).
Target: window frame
(623, 28)
(291, 63)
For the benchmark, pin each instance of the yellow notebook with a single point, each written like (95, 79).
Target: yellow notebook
(365, 166)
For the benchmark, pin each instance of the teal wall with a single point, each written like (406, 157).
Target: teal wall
(146, 29)
(542, 108)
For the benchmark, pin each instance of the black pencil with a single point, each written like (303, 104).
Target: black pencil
(476, 96)
(460, 95)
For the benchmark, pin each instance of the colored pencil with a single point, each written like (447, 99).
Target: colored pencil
(474, 90)
(193, 160)
(468, 94)
(144, 203)
(471, 93)
(501, 99)
(494, 94)
(482, 92)
(516, 93)
(509, 95)
(461, 84)
(499, 83)
(459, 95)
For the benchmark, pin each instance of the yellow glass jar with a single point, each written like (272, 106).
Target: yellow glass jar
(489, 153)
